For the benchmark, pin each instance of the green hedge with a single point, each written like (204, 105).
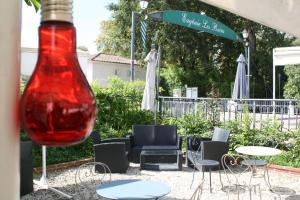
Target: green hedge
(118, 108)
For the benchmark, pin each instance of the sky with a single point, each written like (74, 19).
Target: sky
(87, 15)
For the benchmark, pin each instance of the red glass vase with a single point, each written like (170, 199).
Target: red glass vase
(58, 107)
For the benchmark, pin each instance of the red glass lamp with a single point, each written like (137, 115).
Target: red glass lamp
(58, 107)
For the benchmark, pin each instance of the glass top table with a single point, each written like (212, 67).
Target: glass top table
(132, 189)
(161, 159)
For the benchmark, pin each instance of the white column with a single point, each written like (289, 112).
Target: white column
(274, 79)
(274, 85)
(248, 65)
(10, 29)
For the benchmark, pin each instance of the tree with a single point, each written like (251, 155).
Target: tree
(206, 60)
(292, 86)
(34, 3)
(83, 48)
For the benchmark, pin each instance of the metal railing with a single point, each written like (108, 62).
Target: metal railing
(286, 111)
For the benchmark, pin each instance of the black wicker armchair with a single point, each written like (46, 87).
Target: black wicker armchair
(113, 152)
(199, 148)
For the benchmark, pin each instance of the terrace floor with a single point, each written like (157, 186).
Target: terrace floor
(179, 182)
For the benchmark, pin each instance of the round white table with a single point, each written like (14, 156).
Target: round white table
(258, 151)
(133, 189)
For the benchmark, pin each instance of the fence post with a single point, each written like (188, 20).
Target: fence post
(291, 109)
(290, 113)
(254, 114)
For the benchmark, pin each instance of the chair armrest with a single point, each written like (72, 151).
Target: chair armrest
(109, 146)
(118, 140)
(196, 143)
(179, 142)
(213, 150)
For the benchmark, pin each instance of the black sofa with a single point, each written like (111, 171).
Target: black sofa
(113, 152)
(26, 170)
(153, 137)
(199, 148)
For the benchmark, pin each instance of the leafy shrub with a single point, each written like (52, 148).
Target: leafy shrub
(118, 107)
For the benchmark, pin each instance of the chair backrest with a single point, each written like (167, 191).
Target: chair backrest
(87, 179)
(165, 135)
(95, 134)
(220, 135)
(112, 154)
(143, 135)
(236, 173)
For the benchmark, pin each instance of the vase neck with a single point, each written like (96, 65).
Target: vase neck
(57, 38)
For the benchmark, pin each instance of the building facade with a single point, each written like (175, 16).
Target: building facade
(97, 68)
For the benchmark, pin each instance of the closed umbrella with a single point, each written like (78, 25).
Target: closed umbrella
(240, 89)
(148, 102)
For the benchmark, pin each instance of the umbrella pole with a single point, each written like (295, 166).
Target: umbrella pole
(157, 84)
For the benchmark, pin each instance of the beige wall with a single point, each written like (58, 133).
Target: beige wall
(102, 71)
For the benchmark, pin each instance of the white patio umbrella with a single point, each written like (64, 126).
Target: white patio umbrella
(148, 102)
(282, 15)
(240, 89)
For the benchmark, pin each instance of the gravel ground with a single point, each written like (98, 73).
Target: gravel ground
(288, 185)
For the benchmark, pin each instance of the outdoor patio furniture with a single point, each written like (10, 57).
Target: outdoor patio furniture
(26, 174)
(113, 152)
(199, 164)
(153, 137)
(133, 189)
(238, 177)
(95, 135)
(206, 148)
(87, 178)
(254, 152)
(163, 160)
(113, 155)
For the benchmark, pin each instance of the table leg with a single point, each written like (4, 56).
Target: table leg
(220, 178)
(210, 180)
(267, 178)
(141, 162)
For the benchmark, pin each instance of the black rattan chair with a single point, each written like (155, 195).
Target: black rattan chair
(199, 148)
(113, 152)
